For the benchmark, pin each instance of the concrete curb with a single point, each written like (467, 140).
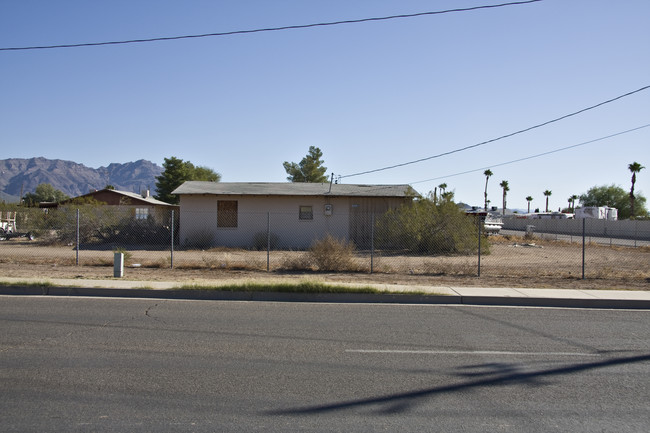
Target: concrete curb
(406, 298)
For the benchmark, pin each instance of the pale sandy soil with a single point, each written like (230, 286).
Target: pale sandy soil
(509, 264)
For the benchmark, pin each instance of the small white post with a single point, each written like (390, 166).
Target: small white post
(118, 265)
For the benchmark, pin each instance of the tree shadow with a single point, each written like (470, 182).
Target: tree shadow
(493, 374)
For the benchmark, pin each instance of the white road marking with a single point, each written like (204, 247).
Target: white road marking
(469, 352)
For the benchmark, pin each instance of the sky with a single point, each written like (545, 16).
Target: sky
(370, 95)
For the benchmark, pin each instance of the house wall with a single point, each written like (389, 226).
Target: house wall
(198, 220)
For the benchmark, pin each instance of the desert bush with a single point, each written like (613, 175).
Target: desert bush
(199, 239)
(97, 223)
(331, 254)
(301, 262)
(261, 241)
(429, 227)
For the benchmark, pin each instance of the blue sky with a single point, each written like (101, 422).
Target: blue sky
(369, 95)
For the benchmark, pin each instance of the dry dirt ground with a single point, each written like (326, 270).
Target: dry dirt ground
(510, 263)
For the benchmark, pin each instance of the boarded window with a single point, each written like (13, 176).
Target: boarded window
(306, 213)
(226, 213)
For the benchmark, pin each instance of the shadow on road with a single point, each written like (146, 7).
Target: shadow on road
(495, 375)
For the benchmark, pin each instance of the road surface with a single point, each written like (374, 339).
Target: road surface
(85, 364)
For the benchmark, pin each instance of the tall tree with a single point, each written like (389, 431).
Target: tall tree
(487, 174)
(635, 167)
(44, 192)
(176, 171)
(443, 188)
(529, 199)
(506, 188)
(310, 168)
(574, 197)
(547, 194)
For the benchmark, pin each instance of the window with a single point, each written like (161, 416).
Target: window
(227, 213)
(141, 213)
(306, 213)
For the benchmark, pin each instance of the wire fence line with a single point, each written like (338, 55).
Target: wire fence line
(369, 243)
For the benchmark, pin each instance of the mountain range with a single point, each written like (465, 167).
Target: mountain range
(20, 176)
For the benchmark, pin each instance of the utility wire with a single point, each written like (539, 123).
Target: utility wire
(270, 29)
(534, 156)
(498, 138)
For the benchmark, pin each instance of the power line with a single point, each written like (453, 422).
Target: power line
(498, 138)
(534, 156)
(270, 29)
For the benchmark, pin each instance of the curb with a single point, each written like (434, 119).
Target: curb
(342, 298)
(223, 295)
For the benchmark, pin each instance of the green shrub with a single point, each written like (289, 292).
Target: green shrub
(428, 227)
(261, 241)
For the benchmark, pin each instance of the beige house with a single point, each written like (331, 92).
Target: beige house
(241, 214)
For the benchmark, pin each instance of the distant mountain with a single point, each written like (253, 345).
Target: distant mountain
(24, 175)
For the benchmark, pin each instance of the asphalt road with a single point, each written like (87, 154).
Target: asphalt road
(84, 364)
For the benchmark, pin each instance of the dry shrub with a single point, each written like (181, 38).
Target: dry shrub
(199, 240)
(331, 254)
(300, 262)
(161, 263)
(529, 236)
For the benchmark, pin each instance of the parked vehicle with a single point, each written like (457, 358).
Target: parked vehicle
(8, 227)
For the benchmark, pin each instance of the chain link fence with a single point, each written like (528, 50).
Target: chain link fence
(437, 244)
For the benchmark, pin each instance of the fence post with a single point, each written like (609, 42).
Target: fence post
(584, 221)
(77, 236)
(172, 250)
(268, 241)
(479, 244)
(372, 243)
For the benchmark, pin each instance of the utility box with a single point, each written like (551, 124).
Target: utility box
(118, 265)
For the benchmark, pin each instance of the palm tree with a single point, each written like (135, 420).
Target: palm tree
(547, 193)
(487, 174)
(443, 188)
(447, 196)
(506, 188)
(573, 202)
(529, 199)
(635, 167)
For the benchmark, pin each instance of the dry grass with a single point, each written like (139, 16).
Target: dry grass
(546, 264)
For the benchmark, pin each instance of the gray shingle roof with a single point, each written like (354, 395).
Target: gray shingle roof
(293, 189)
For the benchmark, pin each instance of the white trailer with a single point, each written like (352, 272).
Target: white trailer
(597, 212)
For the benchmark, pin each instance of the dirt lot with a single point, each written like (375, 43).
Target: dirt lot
(510, 263)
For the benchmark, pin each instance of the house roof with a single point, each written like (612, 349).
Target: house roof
(293, 189)
(132, 195)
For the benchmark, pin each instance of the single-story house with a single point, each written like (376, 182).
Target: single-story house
(235, 214)
(142, 205)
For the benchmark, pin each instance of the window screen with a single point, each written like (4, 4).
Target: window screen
(306, 213)
(227, 213)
